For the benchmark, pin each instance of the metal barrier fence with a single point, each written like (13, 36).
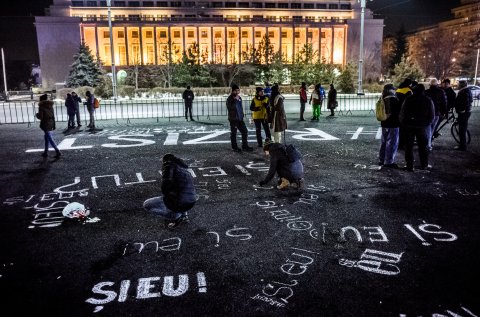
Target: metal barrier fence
(203, 108)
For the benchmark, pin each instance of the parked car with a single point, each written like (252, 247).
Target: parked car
(475, 91)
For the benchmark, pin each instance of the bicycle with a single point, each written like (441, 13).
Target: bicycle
(451, 118)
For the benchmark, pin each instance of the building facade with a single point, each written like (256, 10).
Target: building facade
(448, 48)
(222, 32)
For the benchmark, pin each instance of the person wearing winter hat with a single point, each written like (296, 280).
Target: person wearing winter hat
(259, 107)
(178, 191)
(235, 117)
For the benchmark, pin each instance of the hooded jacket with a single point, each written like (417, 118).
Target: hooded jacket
(46, 115)
(417, 111)
(279, 163)
(392, 105)
(177, 185)
(279, 122)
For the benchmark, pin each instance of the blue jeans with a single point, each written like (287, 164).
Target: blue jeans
(48, 139)
(389, 145)
(157, 206)
(433, 125)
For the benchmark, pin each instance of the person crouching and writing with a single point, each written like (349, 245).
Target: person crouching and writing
(290, 173)
(178, 191)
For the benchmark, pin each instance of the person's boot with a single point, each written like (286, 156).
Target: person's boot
(191, 119)
(45, 154)
(58, 154)
(284, 184)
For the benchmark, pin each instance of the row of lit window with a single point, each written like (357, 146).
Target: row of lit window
(137, 17)
(204, 34)
(191, 4)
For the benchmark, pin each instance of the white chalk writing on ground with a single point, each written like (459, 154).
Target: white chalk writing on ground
(128, 140)
(296, 264)
(105, 292)
(375, 261)
(450, 313)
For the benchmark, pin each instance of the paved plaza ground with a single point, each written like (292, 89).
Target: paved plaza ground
(359, 240)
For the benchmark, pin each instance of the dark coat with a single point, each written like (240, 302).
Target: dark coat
(417, 111)
(393, 105)
(279, 123)
(177, 186)
(280, 164)
(89, 102)
(451, 95)
(76, 101)
(70, 104)
(46, 115)
(463, 102)
(439, 99)
(233, 113)
(332, 99)
(188, 97)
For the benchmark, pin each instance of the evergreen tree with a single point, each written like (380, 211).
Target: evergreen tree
(406, 69)
(345, 80)
(400, 47)
(85, 70)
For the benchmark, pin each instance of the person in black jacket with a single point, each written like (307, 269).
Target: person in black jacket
(439, 99)
(70, 104)
(76, 102)
(178, 191)
(47, 123)
(188, 97)
(416, 115)
(463, 107)
(390, 128)
(235, 117)
(290, 173)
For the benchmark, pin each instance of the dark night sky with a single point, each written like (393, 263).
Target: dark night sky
(18, 38)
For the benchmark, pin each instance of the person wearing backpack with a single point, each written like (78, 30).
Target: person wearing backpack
(290, 173)
(178, 190)
(416, 115)
(390, 128)
(188, 97)
(90, 103)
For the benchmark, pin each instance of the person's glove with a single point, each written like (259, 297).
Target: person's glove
(262, 183)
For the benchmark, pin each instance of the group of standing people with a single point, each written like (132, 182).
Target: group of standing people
(316, 100)
(72, 103)
(414, 113)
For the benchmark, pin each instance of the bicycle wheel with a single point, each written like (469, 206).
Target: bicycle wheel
(456, 135)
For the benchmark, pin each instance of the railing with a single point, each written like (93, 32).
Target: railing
(203, 108)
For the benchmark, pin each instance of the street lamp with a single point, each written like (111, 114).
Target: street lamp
(360, 57)
(4, 76)
(114, 75)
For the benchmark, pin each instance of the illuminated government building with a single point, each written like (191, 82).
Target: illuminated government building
(158, 32)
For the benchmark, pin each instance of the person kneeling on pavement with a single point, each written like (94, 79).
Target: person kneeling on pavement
(290, 173)
(178, 191)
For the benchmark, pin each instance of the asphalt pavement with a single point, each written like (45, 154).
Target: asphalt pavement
(359, 240)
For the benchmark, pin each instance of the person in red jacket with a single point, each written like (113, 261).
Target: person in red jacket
(303, 100)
